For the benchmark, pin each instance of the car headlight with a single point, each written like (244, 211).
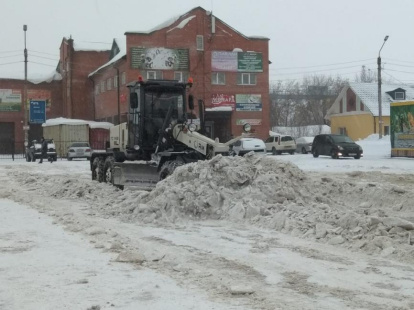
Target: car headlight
(192, 127)
(247, 127)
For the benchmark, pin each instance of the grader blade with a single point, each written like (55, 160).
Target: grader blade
(141, 176)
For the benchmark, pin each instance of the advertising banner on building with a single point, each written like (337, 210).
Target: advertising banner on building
(222, 100)
(248, 102)
(159, 58)
(40, 95)
(10, 100)
(37, 111)
(402, 129)
(236, 61)
(224, 61)
(253, 122)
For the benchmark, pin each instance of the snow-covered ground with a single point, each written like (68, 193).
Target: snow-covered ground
(61, 237)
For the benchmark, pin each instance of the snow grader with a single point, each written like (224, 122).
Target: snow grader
(160, 134)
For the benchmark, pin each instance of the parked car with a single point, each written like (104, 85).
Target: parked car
(304, 145)
(336, 146)
(79, 150)
(34, 151)
(246, 145)
(279, 144)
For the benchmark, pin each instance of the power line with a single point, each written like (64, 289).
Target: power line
(398, 65)
(10, 52)
(305, 72)
(336, 75)
(9, 63)
(339, 63)
(39, 63)
(396, 79)
(54, 59)
(409, 72)
(43, 53)
(12, 56)
(410, 62)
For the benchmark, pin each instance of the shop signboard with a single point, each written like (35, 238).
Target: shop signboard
(249, 102)
(402, 129)
(159, 58)
(253, 122)
(37, 111)
(236, 61)
(40, 95)
(223, 100)
(10, 100)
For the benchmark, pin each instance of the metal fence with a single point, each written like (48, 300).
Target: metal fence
(12, 150)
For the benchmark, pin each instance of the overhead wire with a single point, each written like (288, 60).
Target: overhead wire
(9, 63)
(9, 56)
(315, 66)
(7, 52)
(314, 71)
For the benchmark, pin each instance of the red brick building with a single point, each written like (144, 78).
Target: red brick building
(230, 71)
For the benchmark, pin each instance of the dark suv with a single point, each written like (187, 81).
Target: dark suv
(336, 146)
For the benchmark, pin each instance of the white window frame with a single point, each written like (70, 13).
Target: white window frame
(102, 86)
(399, 92)
(109, 84)
(181, 76)
(249, 78)
(160, 73)
(215, 78)
(115, 81)
(200, 38)
(123, 78)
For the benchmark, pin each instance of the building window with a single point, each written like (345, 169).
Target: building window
(218, 78)
(123, 78)
(97, 90)
(200, 43)
(178, 76)
(246, 79)
(386, 130)
(115, 81)
(102, 86)
(399, 96)
(342, 131)
(154, 75)
(109, 84)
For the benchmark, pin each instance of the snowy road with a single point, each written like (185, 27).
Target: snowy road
(48, 253)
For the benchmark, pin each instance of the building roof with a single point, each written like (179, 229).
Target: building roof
(34, 78)
(368, 93)
(120, 43)
(171, 21)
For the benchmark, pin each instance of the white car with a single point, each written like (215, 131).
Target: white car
(304, 145)
(246, 145)
(279, 144)
(79, 150)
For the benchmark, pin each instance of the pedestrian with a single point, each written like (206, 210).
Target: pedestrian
(44, 150)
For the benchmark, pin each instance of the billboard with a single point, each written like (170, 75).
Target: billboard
(402, 129)
(236, 61)
(223, 100)
(159, 58)
(40, 95)
(10, 100)
(249, 102)
(37, 111)
(253, 122)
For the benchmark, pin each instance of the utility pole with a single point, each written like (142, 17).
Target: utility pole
(26, 125)
(379, 90)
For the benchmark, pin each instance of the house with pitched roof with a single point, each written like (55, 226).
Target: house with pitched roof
(355, 110)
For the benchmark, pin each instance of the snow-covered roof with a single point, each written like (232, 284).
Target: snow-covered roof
(219, 109)
(121, 43)
(368, 93)
(172, 20)
(34, 78)
(91, 46)
(183, 23)
(68, 121)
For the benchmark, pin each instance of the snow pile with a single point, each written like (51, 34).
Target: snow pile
(69, 121)
(374, 146)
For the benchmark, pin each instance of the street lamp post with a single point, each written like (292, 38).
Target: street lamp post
(25, 127)
(379, 90)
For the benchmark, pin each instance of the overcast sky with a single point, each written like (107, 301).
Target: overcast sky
(302, 33)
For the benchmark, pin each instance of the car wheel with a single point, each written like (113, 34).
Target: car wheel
(274, 151)
(108, 171)
(334, 154)
(304, 151)
(358, 156)
(292, 152)
(279, 153)
(315, 153)
(70, 158)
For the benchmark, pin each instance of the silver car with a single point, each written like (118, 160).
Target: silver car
(246, 145)
(304, 145)
(79, 150)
